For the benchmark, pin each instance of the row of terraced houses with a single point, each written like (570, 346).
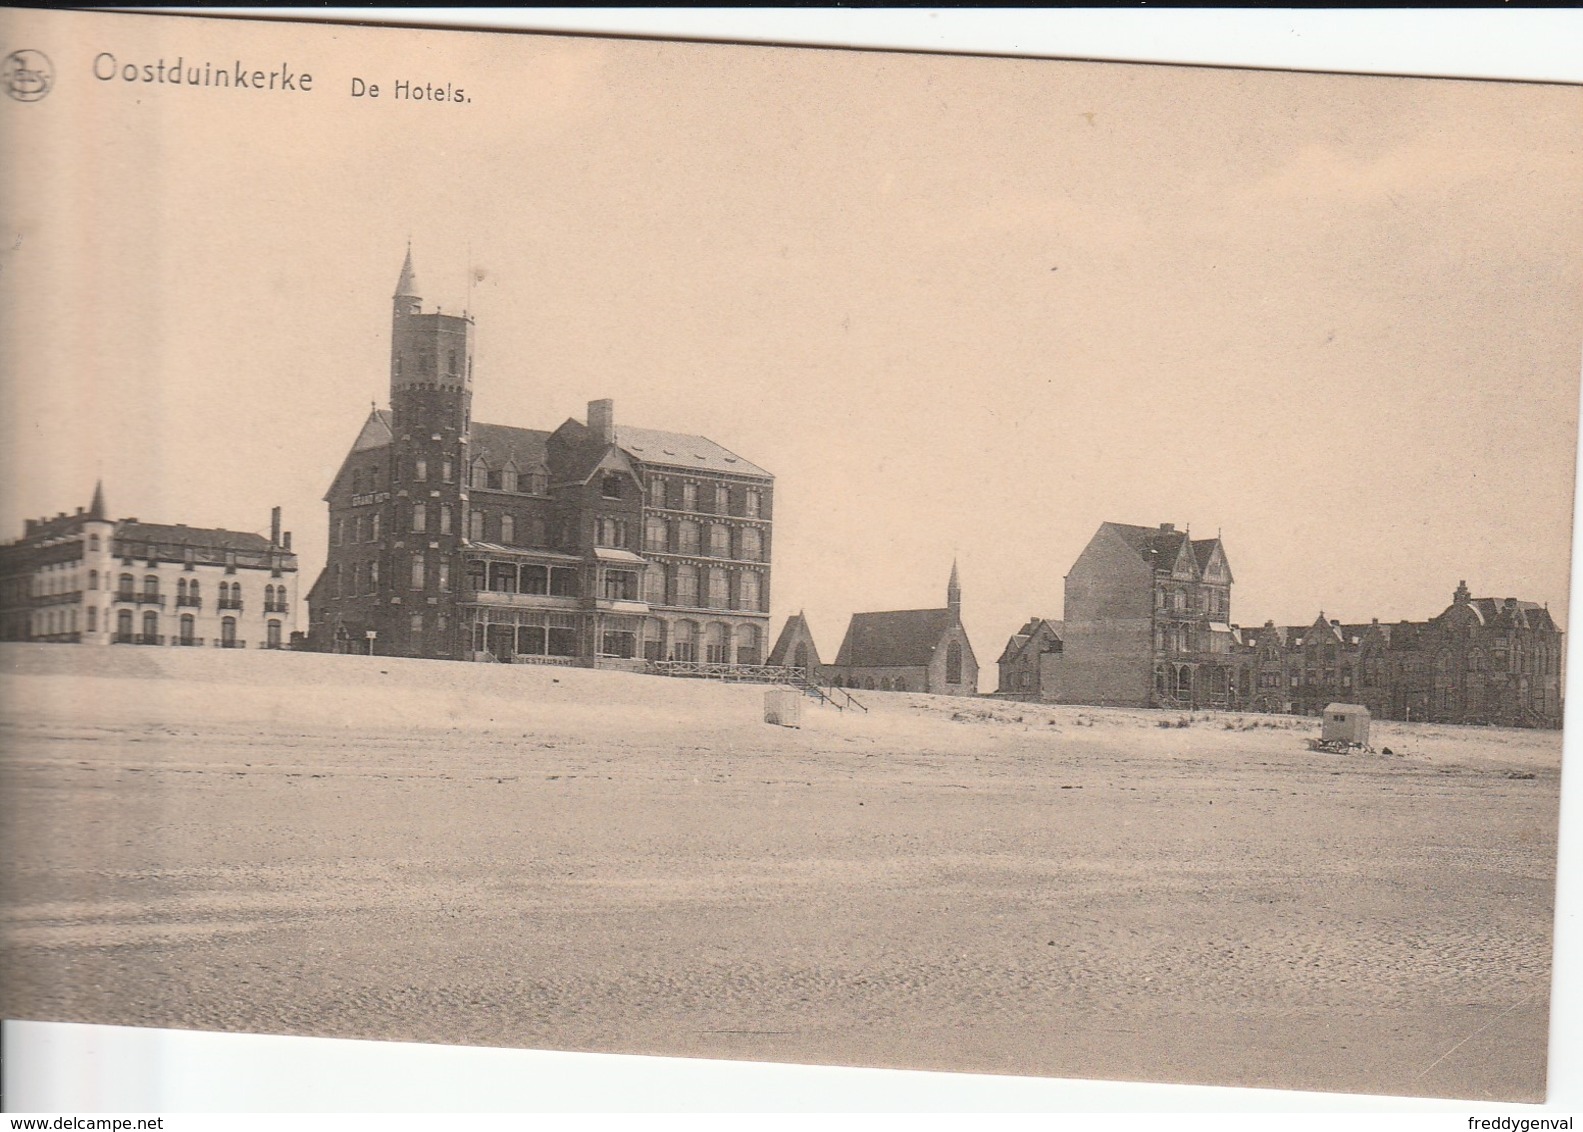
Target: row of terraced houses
(1147, 622)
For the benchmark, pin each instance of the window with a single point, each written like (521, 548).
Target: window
(420, 517)
(657, 493)
(93, 542)
(722, 499)
(335, 580)
(621, 585)
(716, 648)
(508, 530)
(228, 632)
(748, 597)
(415, 624)
(654, 534)
(493, 481)
(123, 626)
(443, 575)
(151, 586)
(538, 482)
(272, 635)
(420, 469)
(748, 644)
(534, 579)
(689, 497)
(687, 535)
(373, 577)
(373, 528)
(751, 504)
(475, 526)
(476, 576)
(654, 585)
(610, 487)
(684, 645)
(447, 470)
(719, 540)
(150, 628)
(719, 589)
(480, 476)
(417, 572)
(611, 532)
(752, 544)
(565, 582)
(687, 585)
(93, 619)
(445, 518)
(953, 663)
(93, 579)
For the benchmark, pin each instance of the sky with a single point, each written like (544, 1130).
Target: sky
(963, 308)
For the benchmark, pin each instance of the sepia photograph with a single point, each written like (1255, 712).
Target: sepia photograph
(792, 554)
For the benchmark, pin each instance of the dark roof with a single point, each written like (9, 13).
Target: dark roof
(1013, 647)
(1520, 614)
(680, 450)
(795, 629)
(902, 638)
(499, 445)
(1160, 548)
(203, 538)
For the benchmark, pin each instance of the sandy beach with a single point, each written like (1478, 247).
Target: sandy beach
(568, 859)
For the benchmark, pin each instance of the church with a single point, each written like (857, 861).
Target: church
(595, 544)
(909, 650)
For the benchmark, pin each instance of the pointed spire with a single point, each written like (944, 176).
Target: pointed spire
(953, 591)
(96, 508)
(407, 285)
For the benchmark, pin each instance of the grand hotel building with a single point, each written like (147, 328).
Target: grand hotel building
(593, 544)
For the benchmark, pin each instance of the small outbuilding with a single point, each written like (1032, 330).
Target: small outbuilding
(1346, 724)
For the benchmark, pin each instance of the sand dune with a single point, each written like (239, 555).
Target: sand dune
(559, 858)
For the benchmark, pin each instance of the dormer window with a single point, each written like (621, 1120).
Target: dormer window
(610, 487)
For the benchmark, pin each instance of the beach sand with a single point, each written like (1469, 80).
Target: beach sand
(566, 859)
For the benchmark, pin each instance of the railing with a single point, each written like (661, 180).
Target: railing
(149, 639)
(189, 602)
(187, 642)
(224, 644)
(715, 670)
(839, 698)
(128, 597)
(229, 603)
(271, 644)
(274, 607)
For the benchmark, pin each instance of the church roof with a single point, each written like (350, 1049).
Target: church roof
(681, 450)
(902, 638)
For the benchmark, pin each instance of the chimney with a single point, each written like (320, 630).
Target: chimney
(1167, 527)
(287, 544)
(602, 420)
(274, 526)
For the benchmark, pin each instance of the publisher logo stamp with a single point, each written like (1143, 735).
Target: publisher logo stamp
(27, 75)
